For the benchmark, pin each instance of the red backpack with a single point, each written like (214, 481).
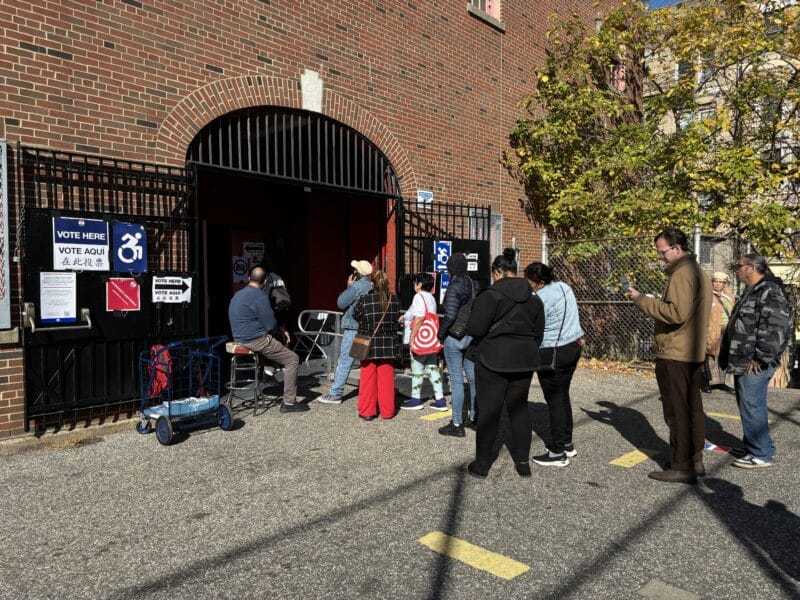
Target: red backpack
(161, 363)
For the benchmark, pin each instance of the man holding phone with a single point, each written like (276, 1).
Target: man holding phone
(358, 284)
(681, 320)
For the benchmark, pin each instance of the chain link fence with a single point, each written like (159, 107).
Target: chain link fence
(615, 329)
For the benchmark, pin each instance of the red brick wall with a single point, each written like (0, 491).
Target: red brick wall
(433, 86)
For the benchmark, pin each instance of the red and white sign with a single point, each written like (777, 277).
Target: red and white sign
(122, 293)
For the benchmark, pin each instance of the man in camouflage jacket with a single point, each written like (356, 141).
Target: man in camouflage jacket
(756, 336)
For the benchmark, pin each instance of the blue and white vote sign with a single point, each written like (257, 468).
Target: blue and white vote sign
(80, 244)
(130, 248)
(441, 254)
(443, 286)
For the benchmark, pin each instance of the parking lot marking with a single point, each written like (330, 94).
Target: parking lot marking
(728, 416)
(435, 416)
(474, 556)
(631, 459)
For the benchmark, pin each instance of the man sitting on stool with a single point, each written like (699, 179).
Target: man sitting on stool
(253, 323)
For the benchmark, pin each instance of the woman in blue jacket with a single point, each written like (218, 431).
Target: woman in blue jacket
(564, 337)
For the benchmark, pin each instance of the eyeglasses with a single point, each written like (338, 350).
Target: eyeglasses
(663, 253)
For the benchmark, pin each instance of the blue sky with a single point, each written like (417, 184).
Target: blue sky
(659, 3)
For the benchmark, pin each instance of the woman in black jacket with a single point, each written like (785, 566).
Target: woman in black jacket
(508, 324)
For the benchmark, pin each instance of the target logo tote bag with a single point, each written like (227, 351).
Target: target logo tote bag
(425, 341)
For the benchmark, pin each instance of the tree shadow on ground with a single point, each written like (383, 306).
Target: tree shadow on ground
(633, 426)
(770, 530)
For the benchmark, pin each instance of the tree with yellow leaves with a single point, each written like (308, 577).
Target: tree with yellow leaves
(682, 116)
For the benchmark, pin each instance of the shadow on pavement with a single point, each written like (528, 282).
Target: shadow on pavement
(769, 530)
(633, 426)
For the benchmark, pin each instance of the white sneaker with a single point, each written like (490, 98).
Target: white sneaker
(328, 399)
(751, 462)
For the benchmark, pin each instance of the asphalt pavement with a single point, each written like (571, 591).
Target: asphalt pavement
(324, 505)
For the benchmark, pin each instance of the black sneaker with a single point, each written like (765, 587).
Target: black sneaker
(570, 451)
(546, 460)
(471, 424)
(294, 407)
(452, 429)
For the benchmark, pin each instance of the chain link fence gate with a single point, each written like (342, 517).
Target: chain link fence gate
(615, 329)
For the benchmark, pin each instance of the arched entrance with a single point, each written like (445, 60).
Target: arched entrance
(296, 190)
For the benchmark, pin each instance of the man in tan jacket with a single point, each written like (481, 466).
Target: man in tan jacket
(681, 321)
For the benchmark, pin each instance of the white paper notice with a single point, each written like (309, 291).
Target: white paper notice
(58, 297)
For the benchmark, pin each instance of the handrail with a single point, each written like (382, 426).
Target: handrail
(29, 320)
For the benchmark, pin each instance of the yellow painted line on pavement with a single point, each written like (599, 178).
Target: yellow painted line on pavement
(732, 417)
(631, 459)
(439, 414)
(474, 556)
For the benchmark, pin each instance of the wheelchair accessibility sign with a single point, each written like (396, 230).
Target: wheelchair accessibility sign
(442, 251)
(130, 248)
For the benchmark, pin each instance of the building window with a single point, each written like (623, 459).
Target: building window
(684, 69)
(706, 67)
(490, 7)
(489, 11)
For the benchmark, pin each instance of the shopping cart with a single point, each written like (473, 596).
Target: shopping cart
(179, 386)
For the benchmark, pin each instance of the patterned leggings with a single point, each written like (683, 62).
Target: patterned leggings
(422, 365)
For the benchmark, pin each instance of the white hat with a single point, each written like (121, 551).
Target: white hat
(720, 276)
(363, 267)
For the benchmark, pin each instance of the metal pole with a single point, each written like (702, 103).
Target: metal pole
(544, 246)
(697, 241)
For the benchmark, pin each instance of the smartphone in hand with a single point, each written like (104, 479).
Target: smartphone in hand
(623, 281)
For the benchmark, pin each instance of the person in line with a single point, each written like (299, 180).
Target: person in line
(376, 387)
(254, 326)
(681, 321)
(507, 324)
(757, 335)
(459, 292)
(564, 337)
(358, 284)
(721, 307)
(422, 364)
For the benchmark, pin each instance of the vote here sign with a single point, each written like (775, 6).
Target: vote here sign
(80, 244)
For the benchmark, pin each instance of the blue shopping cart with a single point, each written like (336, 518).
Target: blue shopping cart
(180, 387)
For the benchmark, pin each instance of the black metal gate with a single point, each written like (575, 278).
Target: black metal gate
(418, 226)
(89, 370)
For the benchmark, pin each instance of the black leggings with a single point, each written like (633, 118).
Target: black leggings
(555, 387)
(494, 391)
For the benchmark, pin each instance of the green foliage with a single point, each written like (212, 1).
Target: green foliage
(615, 144)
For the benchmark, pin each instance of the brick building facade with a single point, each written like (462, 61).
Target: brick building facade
(433, 85)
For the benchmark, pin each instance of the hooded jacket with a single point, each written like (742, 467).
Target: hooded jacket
(507, 342)
(458, 293)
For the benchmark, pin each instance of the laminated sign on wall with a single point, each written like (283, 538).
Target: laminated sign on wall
(80, 244)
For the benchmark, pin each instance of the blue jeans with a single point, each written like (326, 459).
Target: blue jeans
(751, 396)
(457, 365)
(344, 364)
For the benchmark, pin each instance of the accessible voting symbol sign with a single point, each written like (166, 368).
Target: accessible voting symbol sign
(80, 244)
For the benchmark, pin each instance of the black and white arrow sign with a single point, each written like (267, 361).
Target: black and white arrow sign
(172, 289)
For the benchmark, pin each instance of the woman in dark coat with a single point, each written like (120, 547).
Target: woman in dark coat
(376, 388)
(508, 323)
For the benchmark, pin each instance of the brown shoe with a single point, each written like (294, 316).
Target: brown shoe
(699, 468)
(673, 476)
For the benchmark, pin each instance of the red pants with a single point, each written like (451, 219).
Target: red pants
(376, 389)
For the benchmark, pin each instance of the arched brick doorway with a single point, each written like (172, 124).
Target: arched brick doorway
(296, 190)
